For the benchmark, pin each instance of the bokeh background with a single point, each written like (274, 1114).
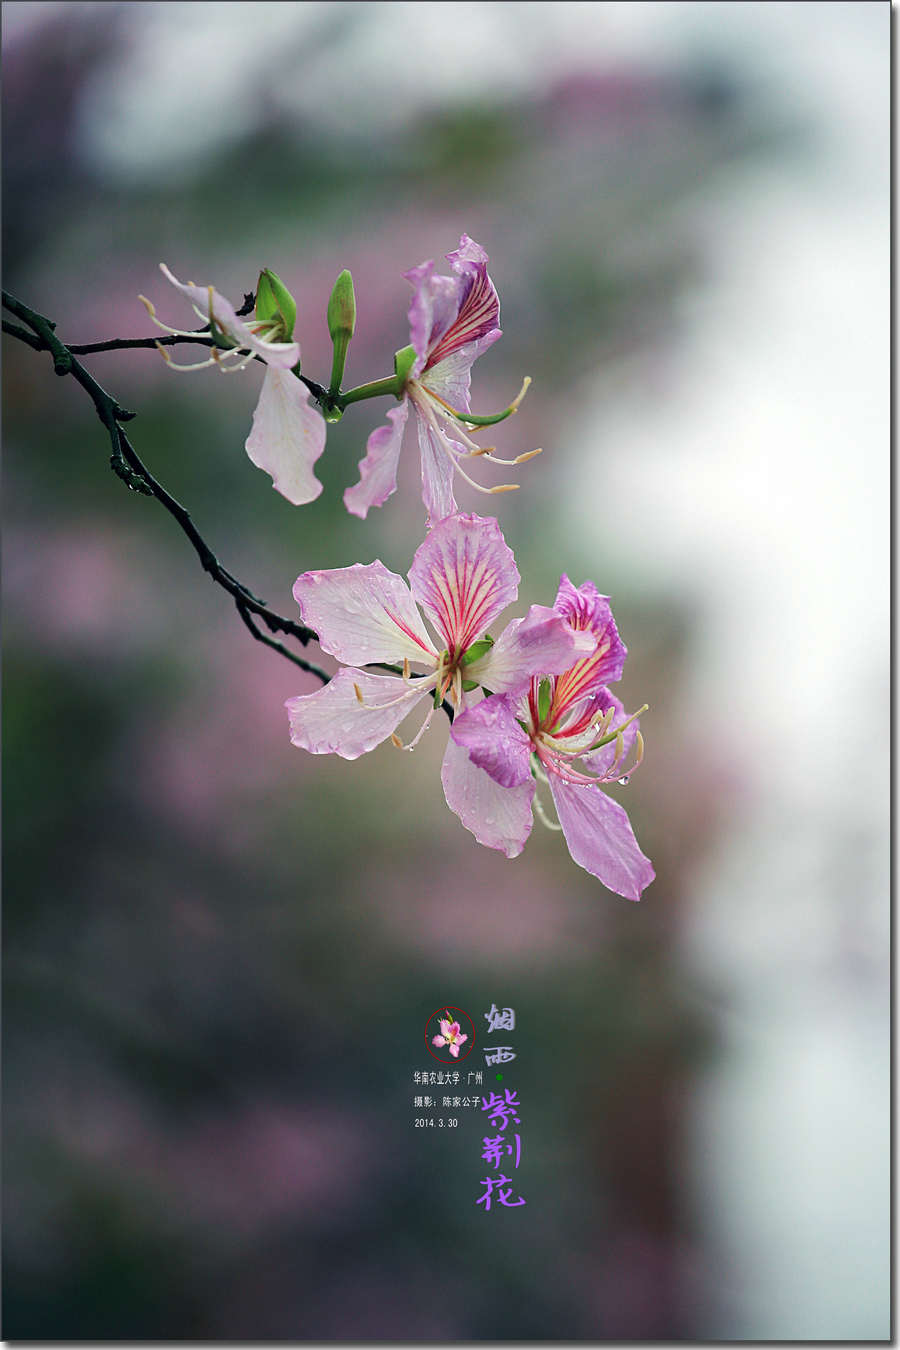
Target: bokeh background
(220, 952)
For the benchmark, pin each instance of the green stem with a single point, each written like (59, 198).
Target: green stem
(392, 385)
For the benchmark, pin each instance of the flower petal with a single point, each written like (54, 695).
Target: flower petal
(495, 741)
(433, 308)
(454, 1050)
(478, 308)
(378, 471)
(332, 721)
(438, 468)
(498, 817)
(437, 1040)
(588, 611)
(363, 613)
(451, 378)
(285, 355)
(288, 436)
(600, 838)
(463, 576)
(543, 643)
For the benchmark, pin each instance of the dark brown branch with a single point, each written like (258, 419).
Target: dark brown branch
(126, 463)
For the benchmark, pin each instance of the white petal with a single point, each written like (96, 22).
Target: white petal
(288, 436)
(333, 722)
(364, 613)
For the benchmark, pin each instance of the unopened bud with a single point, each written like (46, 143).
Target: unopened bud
(342, 308)
(275, 302)
(341, 324)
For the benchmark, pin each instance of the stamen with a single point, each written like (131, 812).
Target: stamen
(197, 365)
(542, 814)
(414, 691)
(395, 739)
(406, 669)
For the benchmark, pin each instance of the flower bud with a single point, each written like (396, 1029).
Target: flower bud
(341, 323)
(274, 302)
(342, 308)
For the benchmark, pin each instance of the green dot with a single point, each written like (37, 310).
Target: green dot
(499, 1076)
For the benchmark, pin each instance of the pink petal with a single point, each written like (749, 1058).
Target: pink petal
(285, 355)
(543, 643)
(454, 1030)
(438, 1040)
(378, 471)
(445, 1027)
(433, 308)
(454, 1050)
(363, 613)
(460, 1039)
(464, 576)
(288, 436)
(333, 722)
(495, 741)
(438, 468)
(600, 838)
(478, 308)
(498, 817)
(588, 611)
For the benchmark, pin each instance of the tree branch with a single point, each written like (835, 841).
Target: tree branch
(127, 464)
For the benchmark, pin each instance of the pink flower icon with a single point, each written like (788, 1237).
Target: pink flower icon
(450, 1036)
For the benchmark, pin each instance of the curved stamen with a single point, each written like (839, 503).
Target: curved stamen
(427, 682)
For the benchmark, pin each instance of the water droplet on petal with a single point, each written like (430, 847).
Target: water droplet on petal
(624, 779)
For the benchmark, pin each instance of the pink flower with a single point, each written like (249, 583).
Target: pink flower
(452, 321)
(541, 734)
(288, 435)
(450, 1036)
(463, 576)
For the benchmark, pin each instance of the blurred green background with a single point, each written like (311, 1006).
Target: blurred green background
(220, 952)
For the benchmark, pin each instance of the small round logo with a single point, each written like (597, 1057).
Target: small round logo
(450, 1035)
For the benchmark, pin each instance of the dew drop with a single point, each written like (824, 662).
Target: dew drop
(624, 780)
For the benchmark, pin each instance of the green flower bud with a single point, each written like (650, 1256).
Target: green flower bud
(275, 302)
(342, 308)
(341, 323)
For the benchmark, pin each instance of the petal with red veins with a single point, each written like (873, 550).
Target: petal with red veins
(589, 611)
(464, 576)
(363, 613)
(332, 721)
(288, 436)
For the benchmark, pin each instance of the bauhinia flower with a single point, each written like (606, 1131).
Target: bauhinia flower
(452, 321)
(288, 435)
(562, 720)
(450, 1036)
(463, 576)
